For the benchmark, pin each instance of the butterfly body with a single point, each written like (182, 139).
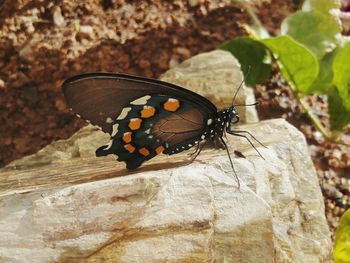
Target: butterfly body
(145, 117)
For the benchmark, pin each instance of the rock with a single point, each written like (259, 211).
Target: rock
(57, 17)
(63, 204)
(2, 84)
(217, 76)
(85, 32)
(82, 144)
(86, 29)
(89, 208)
(194, 3)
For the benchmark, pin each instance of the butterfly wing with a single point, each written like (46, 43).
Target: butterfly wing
(145, 117)
(98, 97)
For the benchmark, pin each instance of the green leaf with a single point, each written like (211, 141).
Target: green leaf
(324, 81)
(339, 115)
(316, 30)
(250, 54)
(320, 5)
(298, 65)
(341, 69)
(341, 252)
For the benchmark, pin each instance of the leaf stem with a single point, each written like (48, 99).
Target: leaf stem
(313, 118)
(331, 136)
(251, 13)
(342, 143)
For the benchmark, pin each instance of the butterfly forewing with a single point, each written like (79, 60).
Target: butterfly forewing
(98, 97)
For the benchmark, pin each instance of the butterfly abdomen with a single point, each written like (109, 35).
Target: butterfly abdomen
(221, 121)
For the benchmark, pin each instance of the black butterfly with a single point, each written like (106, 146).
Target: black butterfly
(146, 117)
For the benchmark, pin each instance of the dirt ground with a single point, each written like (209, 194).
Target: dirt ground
(44, 42)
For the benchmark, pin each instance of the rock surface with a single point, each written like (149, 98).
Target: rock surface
(65, 205)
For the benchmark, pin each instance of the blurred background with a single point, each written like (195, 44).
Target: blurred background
(44, 42)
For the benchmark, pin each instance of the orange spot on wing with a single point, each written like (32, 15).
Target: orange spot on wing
(135, 124)
(148, 111)
(171, 105)
(144, 151)
(159, 149)
(129, 148)
(127, 137)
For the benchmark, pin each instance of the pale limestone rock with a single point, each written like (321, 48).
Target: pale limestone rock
(217, 76)
(65, 205)
(82, 144)
(84, 209)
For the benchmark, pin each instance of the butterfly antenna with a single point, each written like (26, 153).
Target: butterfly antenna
(252, 104)
(240, 85)
(233, 168)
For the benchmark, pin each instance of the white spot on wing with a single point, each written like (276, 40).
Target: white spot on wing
(109, 120)
(124, 112)
(141, 101)
(209, 121)
(203, 137)
(115, 129)
(109, 145)
(148, 131)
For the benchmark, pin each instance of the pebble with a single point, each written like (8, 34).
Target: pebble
(57, 17)
(2, 84)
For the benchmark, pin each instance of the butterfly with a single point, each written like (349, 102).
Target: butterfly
(146, 117)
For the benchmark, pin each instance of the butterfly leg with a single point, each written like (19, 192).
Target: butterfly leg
(229, 156)
(218, 144)
(251, 135)
(198, 150)
(195, 151)
(244, 136)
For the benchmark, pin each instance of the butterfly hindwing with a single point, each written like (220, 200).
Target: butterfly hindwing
(154, 124)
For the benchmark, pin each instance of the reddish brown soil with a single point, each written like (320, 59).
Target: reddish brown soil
(44, 42)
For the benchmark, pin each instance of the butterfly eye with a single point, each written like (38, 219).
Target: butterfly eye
(235, 119)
